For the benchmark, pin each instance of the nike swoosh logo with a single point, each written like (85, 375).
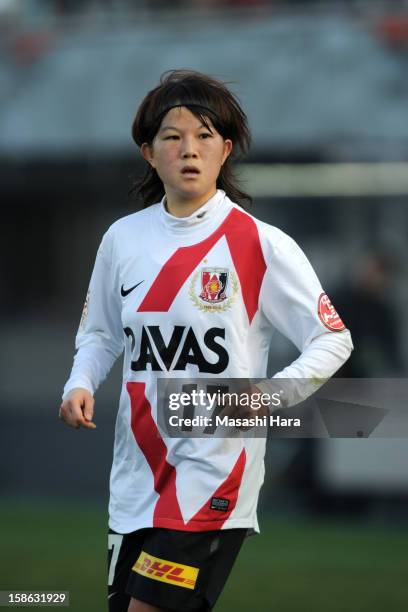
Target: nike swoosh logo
(125, 292)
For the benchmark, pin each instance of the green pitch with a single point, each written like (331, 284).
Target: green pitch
(291, 566)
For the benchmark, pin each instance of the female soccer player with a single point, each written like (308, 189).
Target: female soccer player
(191, 286)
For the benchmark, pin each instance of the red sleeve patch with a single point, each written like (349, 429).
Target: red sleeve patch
(328, 314)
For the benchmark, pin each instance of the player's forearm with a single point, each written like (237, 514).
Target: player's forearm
(322, 357)
(317, 363)
(92, 363)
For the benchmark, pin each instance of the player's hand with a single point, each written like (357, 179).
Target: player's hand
(77, 409)
(242, 410)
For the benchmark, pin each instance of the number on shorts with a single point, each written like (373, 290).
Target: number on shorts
(114, 544)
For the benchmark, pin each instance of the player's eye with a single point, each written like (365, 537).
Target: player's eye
(172, 137)
(205, 135)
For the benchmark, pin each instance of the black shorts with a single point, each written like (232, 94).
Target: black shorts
(178, 571)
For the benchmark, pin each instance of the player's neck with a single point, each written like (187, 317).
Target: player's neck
(184, 208)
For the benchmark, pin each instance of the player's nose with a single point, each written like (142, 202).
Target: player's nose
(188, 148)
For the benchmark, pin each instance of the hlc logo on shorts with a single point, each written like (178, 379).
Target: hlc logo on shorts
(166, 571)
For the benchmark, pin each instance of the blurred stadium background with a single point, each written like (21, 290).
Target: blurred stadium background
(326, 91)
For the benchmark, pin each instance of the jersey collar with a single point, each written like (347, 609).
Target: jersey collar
(199, 219)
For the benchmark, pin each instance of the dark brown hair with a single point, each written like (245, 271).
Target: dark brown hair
(205, 97)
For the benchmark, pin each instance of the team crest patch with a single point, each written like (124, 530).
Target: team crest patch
(213, 285)
(213, 289)
(328, 314)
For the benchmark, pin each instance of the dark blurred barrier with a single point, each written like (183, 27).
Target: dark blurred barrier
(41, 458)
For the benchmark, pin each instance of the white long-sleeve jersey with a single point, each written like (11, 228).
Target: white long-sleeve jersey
(197, 296)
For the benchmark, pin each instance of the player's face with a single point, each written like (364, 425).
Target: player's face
(188, 157)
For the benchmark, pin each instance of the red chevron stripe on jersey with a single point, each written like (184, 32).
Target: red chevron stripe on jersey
(167, 510)
(243, 241)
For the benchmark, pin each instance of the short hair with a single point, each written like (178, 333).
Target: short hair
(206, 98)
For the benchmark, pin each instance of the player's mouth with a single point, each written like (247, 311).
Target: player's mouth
(190, 171)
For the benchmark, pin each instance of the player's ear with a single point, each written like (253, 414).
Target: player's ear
(227, 149)
(147, 153)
